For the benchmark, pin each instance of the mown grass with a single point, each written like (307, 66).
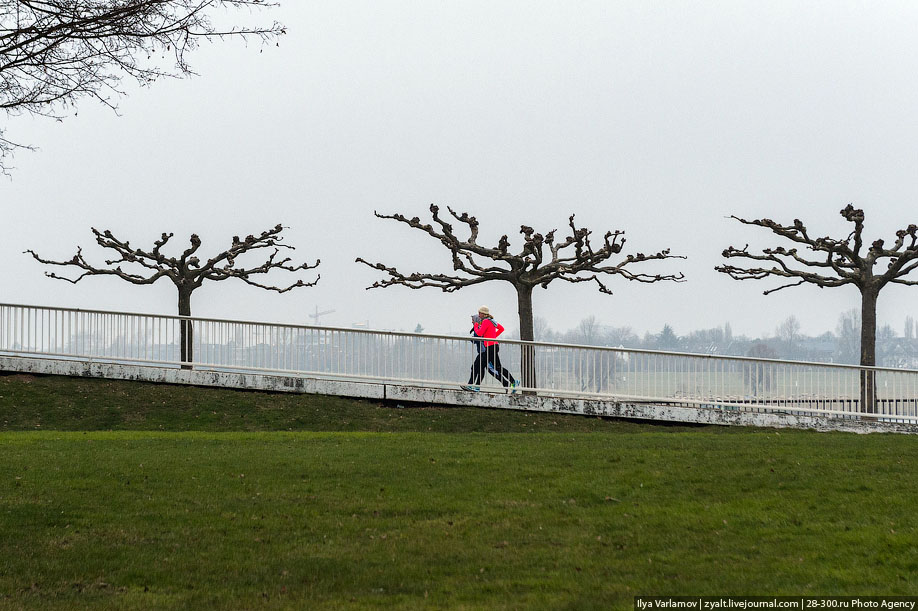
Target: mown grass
(560, 519)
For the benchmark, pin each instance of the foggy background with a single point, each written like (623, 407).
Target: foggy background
(659, 118)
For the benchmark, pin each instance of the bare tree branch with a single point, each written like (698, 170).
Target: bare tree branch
(90, 270)
(416, 280)
(53, 53)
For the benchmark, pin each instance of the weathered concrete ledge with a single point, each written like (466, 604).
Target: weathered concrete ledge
(643, 411)
(192, 377)
(444, 396)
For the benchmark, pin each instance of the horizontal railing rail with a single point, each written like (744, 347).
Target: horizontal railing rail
(561, 370)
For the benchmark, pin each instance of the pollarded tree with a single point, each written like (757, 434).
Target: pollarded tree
(185, 271)
(828, 262)
(55, 52)
(541, 260)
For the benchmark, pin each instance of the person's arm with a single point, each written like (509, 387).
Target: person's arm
(490, 330)
(498, 328)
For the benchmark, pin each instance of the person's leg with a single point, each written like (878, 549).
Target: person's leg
(489, 360)
(478, 367)
(499, 371)
(505, 373)
(475, 374)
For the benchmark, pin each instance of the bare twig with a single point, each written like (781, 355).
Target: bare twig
(53, 53)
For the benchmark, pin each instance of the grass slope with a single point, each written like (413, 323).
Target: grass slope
(566, 518)
(76, 404)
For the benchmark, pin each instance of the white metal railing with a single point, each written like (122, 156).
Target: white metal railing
(561, 370)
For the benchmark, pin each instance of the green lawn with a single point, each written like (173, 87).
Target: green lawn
(526, 512)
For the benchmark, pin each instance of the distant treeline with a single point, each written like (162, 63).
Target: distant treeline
(788, 342)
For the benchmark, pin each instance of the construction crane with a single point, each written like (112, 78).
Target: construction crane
(317, 314)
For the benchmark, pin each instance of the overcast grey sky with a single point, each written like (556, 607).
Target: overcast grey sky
(659, 118)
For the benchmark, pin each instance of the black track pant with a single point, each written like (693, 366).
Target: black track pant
(489, 361)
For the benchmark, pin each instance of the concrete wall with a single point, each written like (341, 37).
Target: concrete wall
(443, 396)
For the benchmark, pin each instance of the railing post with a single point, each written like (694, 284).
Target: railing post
(527, 367)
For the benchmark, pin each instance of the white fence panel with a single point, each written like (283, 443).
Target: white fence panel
(564, 370)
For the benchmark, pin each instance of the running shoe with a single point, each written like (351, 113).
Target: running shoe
(470, 388)
(514, 386)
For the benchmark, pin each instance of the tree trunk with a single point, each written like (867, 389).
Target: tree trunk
(868, 348)
(187, 331)
(527, 353)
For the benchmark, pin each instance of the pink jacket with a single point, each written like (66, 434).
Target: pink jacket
(488, 329)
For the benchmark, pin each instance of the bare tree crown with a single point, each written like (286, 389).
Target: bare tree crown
(824, 261)
(55, 52)
(541, 259)
(146, 266)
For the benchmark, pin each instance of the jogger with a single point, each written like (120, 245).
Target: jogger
(488, 358)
